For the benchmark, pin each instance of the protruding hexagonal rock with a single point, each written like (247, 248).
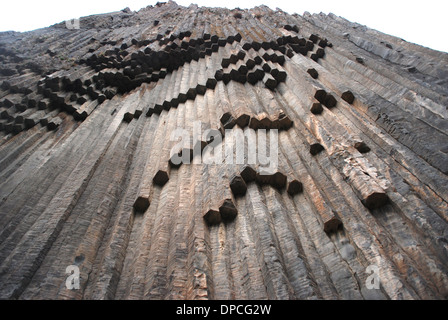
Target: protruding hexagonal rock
(222, 42)
(141, 204)
(225, 117)
(29, 123)
(81, 100)
(320, 53)
(174, 103)
(309, 45)
(191, 93)
(201, 89)
(266, 67)
(279, 76)
(241, 55)
(332, 223)
(235, 75)
(375, 200)
(242, 79)
(212, 217)
(243, 69)
(150, 112)
(228, 210)
(264, 121)
(263, 178)
(155, 77)
(255, 76)
(320, 95)
(160, 178)
(282, 121)
(226, 62)
(215, 47)
(208, 51)
(258, 60)
(219, 74)
(362, 147)
(42, 104)
(242, 121)
(281, 59)
(300, 49)
(137, 113)
(247, 46)
(158, 108)
(192, 43)
(54, 123)
(43, 122)
(226, 78)
(254, 123)
(294, 187)
(182, 97)
(4, 115)
(278, 180)
(270, 82)
(250, 64)
(227, 120)
(18, 127)
(348, 97)
(214, 39)
(256, 45)
(316, 108)
(274, 45)
(238, 37)
(314, 38)
(266, 45)
(230, 39)
(211, 83)
(281, 41)
(330, 101)
(313, 73)
(238, 186)
(323, 43)
(184, 45)
(7, 127)
(314, 57)
(267, 57)
(19, 119)
(316, 148)
(252, 78)
(248, 174)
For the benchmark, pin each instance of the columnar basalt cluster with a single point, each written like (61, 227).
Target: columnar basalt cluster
(91, 178)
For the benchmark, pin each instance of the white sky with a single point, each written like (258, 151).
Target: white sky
(421, 22)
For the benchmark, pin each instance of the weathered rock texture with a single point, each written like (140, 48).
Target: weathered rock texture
(87, 177)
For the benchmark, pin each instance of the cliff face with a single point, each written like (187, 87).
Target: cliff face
(358, 195)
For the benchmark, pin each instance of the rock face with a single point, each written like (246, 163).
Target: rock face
(91, 177)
